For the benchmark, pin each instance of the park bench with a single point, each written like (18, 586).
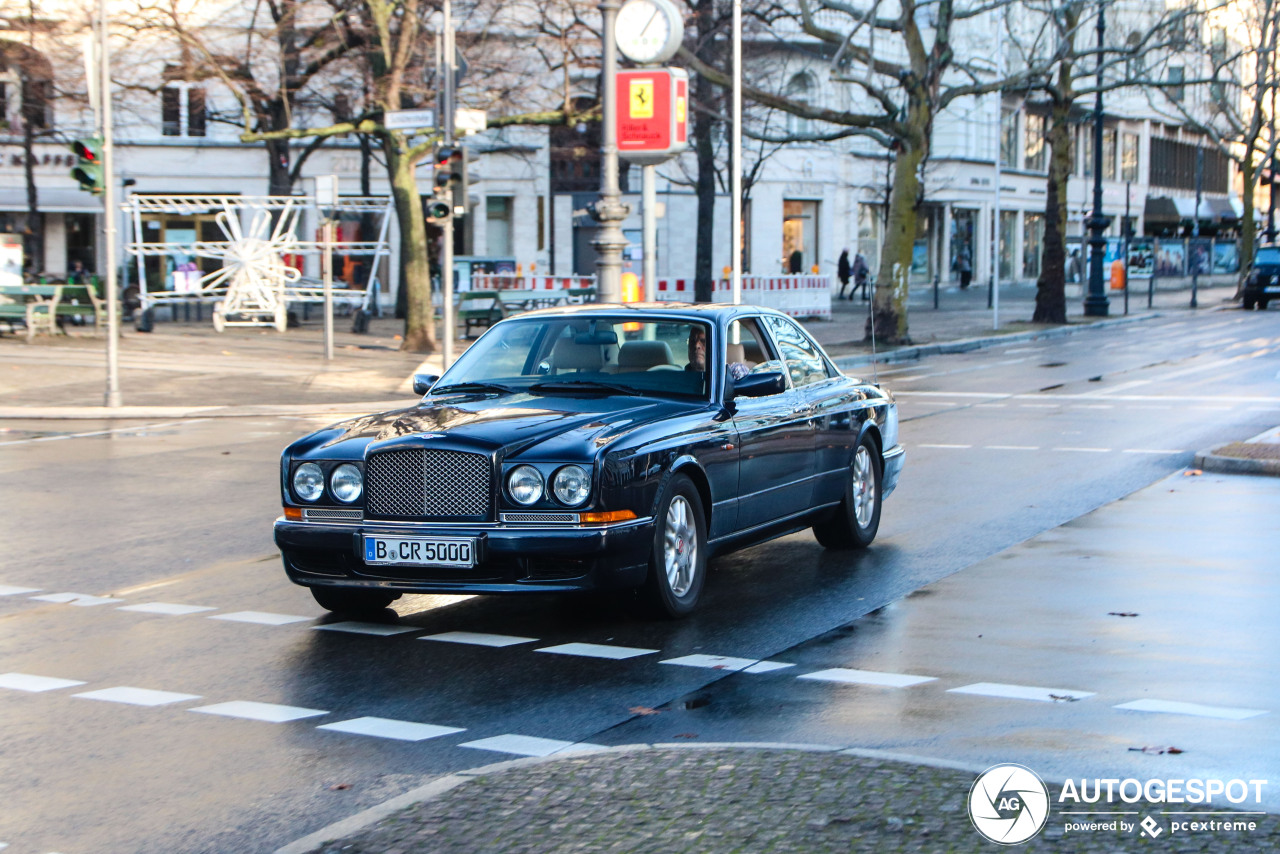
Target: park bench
(40, 308)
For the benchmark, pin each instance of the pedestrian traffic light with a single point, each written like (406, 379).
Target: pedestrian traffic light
(451, 179)
(88, 169)
(439, 208)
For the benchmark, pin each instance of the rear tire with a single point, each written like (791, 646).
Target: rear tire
(678, 562)
(1248, 305)
(856, 521)
(353, 603)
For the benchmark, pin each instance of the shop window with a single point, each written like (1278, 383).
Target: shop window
(799, 236)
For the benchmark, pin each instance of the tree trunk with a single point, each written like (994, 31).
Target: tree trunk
(703, 127)
(415, 269)
(1247, 230)
(889, 311)
(279, 181)
(1051, 299)
(35, 220)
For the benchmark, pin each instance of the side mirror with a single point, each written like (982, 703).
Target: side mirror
(422, 383)
(759, 385)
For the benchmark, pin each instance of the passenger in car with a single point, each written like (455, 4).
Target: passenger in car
(698, 355)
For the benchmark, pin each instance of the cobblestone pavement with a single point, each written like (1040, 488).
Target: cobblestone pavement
(722, 800)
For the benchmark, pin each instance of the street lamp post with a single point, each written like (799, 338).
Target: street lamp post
(610, 211)
(1096, 303)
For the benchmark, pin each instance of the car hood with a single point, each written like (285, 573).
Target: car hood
(515, 423)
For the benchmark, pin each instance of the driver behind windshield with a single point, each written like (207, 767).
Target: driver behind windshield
(698, 354)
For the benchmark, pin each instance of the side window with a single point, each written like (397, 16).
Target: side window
(749, 351)
(804, 362)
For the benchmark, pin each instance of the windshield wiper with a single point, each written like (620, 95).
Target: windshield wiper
(472, 387)
(583, 385)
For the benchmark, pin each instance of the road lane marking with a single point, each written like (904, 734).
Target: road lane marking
(944, 446)
(389, 728)
(1151, 451)
(267, 712)
(35, 684)
(528, 745)
(83, 600)
(1086, 450)
(478, 639)
(597, 650)
(358, 628)
(169, 609)
(137, 696)
(867, 677)
(6, 590)
(1039, 405)
(1013, 447)
(260, 617)
(724, 662)
(64, 436)
(1021, 692)
(1176, 708)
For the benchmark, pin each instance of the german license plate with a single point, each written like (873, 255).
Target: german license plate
(420, 551)
(1273, 289)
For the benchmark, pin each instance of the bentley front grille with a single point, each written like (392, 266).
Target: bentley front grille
(421, 482)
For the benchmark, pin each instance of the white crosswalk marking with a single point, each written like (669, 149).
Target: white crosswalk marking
(357, 628)
(166, 608)
(81, 599)
(388, 728)
(137, 696)
(35, 684)
(478, 639)
(867, 677)
(268, 712)
(1172, 707)
(6, 590)
(1021, 692)
(597, 650)
(259, 617)
(724, 662)
(528, 745)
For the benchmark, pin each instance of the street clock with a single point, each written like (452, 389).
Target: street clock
(649, 32)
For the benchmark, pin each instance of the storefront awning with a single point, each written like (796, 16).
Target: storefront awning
(1161, 210)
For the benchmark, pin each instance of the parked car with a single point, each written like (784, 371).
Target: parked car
(590, 447)
(1262, 283)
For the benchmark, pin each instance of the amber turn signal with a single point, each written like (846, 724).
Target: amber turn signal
(293, 514)
(606, 516)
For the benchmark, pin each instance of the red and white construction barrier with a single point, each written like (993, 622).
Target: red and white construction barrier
(798, 296)
(509, 282)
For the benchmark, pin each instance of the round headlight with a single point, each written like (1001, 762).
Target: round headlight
(525, 484)
(571, 486)
(346, 482)
(308, 482)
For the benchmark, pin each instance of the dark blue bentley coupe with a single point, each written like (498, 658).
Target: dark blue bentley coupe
(591, 447)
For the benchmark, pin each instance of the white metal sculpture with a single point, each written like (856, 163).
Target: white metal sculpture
(253, 269)
(260, 254)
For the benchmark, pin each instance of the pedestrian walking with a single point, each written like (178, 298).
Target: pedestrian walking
(843, 271)
(964, 267)
(861, 270)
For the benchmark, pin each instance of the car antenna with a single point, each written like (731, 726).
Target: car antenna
(871, 318)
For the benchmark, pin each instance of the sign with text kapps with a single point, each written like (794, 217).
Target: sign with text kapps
(653, 114)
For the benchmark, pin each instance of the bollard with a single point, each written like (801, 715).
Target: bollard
(935, 291)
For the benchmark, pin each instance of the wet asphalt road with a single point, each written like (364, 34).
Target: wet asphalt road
(1003, 445)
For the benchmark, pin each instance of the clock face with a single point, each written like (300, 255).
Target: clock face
(648, 31)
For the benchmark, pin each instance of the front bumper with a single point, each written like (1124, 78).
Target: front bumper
(509, 558)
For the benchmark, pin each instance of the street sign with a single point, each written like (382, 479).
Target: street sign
(653, 114)
(424, 119)
(469, 121)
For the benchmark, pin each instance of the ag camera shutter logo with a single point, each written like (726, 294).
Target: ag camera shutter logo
(1008, 804)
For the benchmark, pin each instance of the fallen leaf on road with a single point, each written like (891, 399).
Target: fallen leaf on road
(226, 352)
(338, 787)
(1192, 473)
(1063, 698)
(1121, 614)
(1157, 750)
(643, 710)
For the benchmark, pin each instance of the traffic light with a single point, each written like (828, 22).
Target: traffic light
(439, 208)
(450, 176)
(88, 168)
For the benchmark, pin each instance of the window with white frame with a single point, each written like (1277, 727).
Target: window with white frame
(800, 89)
(182, 110)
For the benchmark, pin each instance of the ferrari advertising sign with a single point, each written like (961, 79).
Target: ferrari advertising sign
(653, 114)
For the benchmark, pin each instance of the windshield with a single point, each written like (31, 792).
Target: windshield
(1268, 255)
(585, 355)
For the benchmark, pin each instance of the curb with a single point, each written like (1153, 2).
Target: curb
(1210, 460)
(443, 785)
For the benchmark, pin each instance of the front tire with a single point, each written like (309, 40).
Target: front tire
(857, 519)
(678, 562)
(353, 603)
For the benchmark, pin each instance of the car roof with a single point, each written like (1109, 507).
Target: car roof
(715, 312)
